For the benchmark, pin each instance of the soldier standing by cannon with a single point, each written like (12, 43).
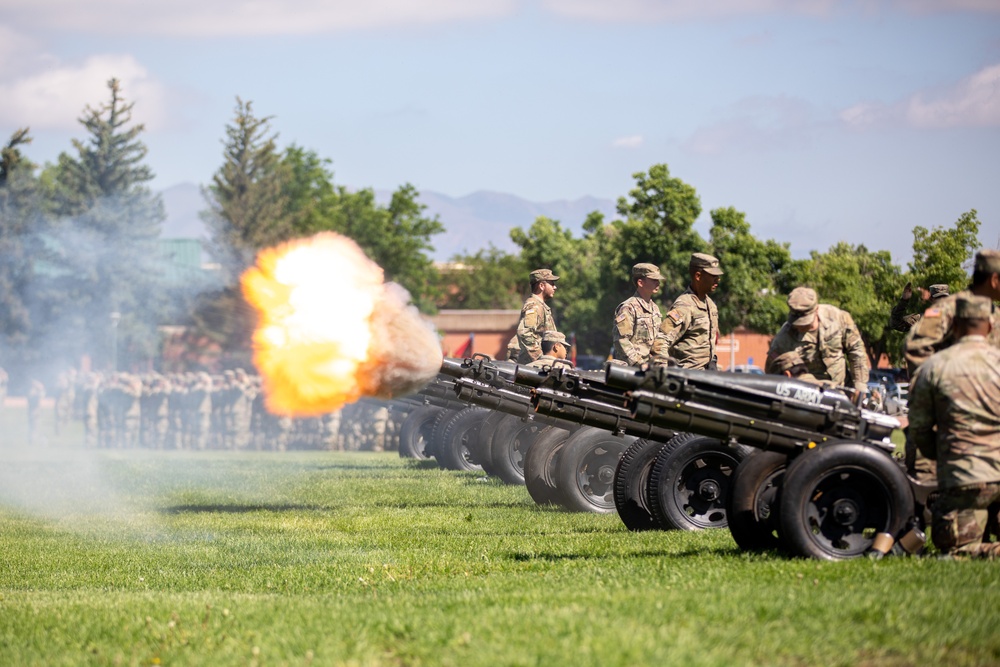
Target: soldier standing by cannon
(638, 318)
(536, 319)
(690, 329)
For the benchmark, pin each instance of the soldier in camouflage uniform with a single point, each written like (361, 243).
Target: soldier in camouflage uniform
(638, 318)
(554, 348)
(899, 320)
(536, 319)
(825, 337)
(690, 329)
(955, 418)
(934, 332)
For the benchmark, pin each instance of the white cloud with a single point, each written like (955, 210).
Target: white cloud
(633, 141)
(683, 10)
(972, 102)
(55, 97)
(212, 18)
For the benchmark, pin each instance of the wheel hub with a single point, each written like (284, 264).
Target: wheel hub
(845, 512)
(709, 490)
(606, 474)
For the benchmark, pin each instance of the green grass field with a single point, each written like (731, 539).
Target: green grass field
(318, 558)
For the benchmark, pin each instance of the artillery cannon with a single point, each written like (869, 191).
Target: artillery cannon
(823, 484)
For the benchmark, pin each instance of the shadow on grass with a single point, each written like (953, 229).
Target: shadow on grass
(521, 556)
(240, 509)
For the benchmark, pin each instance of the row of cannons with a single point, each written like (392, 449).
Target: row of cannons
(784, 464)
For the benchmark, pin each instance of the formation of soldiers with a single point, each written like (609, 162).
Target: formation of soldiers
(953, 358)
(200, 411)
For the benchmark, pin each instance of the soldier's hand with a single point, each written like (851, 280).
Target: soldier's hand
(908, 291)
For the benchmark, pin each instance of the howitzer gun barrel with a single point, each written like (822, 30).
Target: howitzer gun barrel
(769, 412)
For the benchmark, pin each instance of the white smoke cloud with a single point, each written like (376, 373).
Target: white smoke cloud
(972, 102)
(55, 96)
(196, 18)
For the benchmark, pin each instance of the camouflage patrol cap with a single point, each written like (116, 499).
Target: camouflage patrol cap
(538, 275)
(938, 291)
(646, 271)
(702, 262)
(802, 306)
(553, 337)
(987, 261)
(973, 307)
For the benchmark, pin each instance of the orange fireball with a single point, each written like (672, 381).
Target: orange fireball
(329, 327)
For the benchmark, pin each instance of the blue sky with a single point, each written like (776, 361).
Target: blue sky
(823, 120)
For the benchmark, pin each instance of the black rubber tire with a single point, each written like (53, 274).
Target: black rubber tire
(585, 470)
(631, 482)
(414, 433)
(452, 452)
(835, 498)
(754, 495)
(436, 431)
(689, 484)
(511, 440)
(479, 447)
(539, 475)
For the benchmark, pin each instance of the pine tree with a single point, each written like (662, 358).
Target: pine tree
(107, 236)
(21, 224)
(248, 204)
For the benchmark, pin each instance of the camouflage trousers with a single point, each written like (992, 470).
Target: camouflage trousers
(962, 517)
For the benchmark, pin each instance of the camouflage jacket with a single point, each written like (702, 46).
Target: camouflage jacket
(958, 391)
(688, 333)
(829, 352)
(536, 319)
(637, 322)
(932, 332)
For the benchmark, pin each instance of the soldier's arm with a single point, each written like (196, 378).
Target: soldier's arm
(857, 355)
(925, 337)
(898, 320)
(527, 331)
(621, 334)
(776, 348)
(674, 324)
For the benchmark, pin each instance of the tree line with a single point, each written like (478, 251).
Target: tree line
(82, 273)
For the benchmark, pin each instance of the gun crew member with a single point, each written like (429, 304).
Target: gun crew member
(637, 319)
(536, 319)
(554, 348)
(933, 332)
(690, 329)
(826, 339)
(899, 320)
(955, 419)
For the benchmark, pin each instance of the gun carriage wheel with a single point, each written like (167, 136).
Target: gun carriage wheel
(689, 484)
(452, 450)
(753, 501)
(585, 470)
(415, 432)
(539, 472)
(479, 447)
(631, 480)
(836, 498)
(509, 446)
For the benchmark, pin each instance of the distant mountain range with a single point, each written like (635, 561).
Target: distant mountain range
(471, 222)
